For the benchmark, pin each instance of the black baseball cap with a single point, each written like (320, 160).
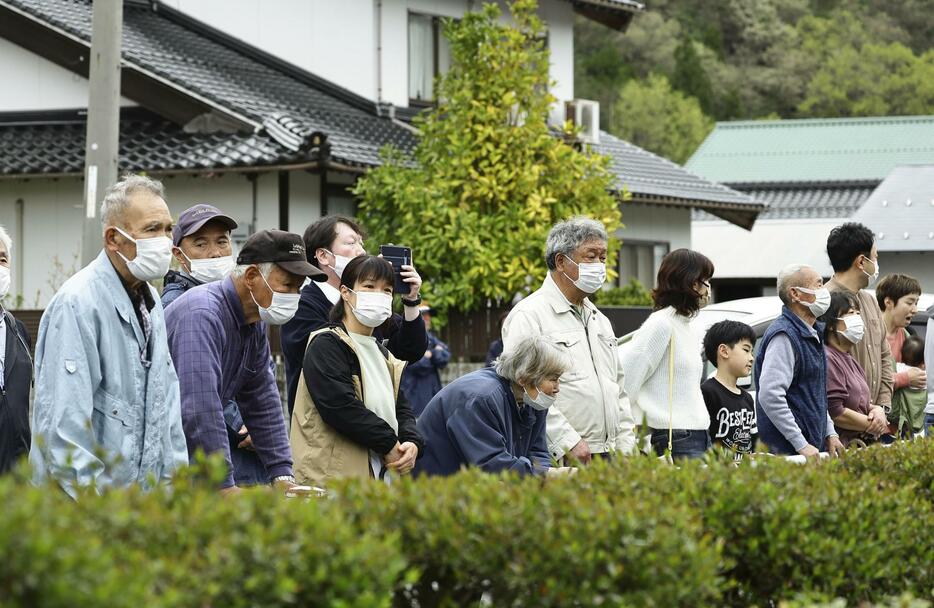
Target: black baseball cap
(194, 218)
(286, 249)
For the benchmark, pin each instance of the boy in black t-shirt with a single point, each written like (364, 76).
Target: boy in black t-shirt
(729, 346)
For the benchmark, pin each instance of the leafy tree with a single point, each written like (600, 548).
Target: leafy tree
(689, 75)
(489, 176)
(652, 115)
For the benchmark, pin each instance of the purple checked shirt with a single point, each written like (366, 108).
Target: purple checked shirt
(220, 357)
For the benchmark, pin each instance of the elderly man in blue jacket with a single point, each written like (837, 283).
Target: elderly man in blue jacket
(107, 410)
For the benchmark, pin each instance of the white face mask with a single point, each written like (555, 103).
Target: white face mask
(340, 263)
(874, 275)
(4, 281)
(373, 307)
(541, 403)
(821, 300)
(590, 275)
(211, 269)
(281, 309)
(153, 257)
(854, 328)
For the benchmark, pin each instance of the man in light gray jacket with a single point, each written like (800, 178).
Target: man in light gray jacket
(591, 415)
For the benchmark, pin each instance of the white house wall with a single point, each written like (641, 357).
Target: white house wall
(338, 40)
(919, 265)
(656, 223)
(47, 251)
(762, 252)
(31, 83)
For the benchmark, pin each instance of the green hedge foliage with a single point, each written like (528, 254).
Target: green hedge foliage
(633, 532)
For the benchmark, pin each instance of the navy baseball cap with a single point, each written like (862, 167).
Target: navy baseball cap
(194, 218)
(286, 249)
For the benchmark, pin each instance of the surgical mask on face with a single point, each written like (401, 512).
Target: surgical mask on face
(373, 307)
(340, 263)
(211, 269)
(875, 274)
(854, 328)
(4, 281)
(590, 275)
(281, 309)
(821, 300)
(542, 402)
(153, 257)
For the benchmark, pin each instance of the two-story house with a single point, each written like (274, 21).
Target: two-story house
(270, 110)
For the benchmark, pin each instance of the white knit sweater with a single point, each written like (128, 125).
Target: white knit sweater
(645, 366)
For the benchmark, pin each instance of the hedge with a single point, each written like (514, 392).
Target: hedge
(633, 532)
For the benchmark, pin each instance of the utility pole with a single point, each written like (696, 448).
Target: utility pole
(103, 136)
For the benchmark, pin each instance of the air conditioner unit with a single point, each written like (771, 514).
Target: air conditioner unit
(585, 115)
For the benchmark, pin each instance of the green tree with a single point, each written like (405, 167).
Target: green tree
(690, 77)
(652, 115)
(876, 80)
(489, 176)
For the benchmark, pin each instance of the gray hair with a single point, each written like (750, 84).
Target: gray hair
(788, 277)
(117, 197)
(7, 241)
(264, 269)
(565, 237)
(532, 360)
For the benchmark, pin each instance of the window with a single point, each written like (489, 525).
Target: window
(641, 260)
(429, 56)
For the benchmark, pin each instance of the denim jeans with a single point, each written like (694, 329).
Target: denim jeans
(247, 468)
(684, 443)
(929, 425)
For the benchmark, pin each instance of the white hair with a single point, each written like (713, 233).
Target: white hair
(264, 269)
(788, 277)
(565, 237)
(7, 241)
(117, 197)
(532, 361)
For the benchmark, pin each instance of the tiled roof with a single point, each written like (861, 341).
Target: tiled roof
(53, 144)
(901, 210)
(278, 108)
(247, 86)
(806, 203)
(652, 178)
(851, 150)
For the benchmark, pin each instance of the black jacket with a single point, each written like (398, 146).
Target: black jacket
(406, 340)
(14, 398)
(329, 368)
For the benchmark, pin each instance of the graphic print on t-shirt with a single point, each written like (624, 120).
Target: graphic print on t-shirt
(732, 417)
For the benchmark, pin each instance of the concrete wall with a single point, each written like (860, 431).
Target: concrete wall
(670, 225)
(32, 83)
(46, 248)
(919, 265)
(338, 40)
(762, 252)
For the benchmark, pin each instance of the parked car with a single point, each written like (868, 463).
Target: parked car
(759, 314)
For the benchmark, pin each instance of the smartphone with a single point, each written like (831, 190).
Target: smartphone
(398, 256)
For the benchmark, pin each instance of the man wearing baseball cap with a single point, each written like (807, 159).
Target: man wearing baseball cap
(217, 336)
(201, 244)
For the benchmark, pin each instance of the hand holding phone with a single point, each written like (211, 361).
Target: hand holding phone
(398, 256)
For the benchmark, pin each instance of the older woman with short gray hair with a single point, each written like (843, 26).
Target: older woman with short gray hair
(495, 418)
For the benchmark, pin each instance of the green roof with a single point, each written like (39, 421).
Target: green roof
(853, 150)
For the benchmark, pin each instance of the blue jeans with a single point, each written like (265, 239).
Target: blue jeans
(929, 425)
(684, 443)
(248, 470)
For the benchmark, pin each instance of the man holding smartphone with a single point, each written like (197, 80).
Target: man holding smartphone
(330, 244)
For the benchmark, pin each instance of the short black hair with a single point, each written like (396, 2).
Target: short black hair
(362, 268)
(846, 243)
(322, 233)
(913, 351)
(840, 302)
(730, 333)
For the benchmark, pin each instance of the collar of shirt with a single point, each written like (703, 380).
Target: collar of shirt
(333, 295)
(560, 303)
(233, 301)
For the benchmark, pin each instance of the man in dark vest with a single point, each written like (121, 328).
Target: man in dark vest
(15, 373)
(791, 371)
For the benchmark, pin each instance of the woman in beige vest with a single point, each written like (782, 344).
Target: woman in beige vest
(350, 418)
